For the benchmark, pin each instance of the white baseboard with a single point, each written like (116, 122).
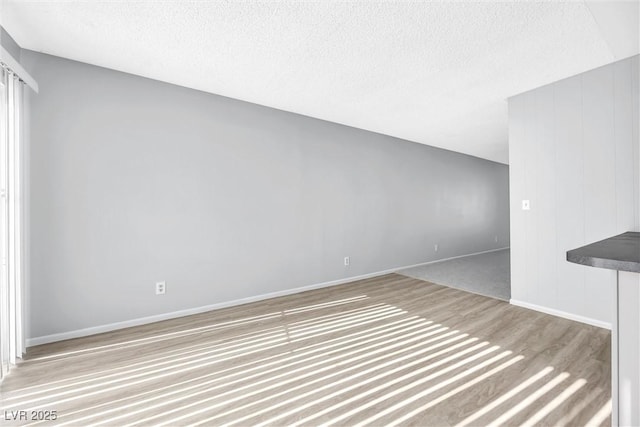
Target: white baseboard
(450, 258)
(46, 339)
(560, 313)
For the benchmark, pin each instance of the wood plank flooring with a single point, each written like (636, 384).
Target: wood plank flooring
(390, 350)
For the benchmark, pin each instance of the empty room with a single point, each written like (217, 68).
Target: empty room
(304, 213)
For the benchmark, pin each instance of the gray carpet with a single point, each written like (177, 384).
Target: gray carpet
(485, 274)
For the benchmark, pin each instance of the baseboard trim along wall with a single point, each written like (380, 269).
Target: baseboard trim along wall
(187, 312)
(560, 313)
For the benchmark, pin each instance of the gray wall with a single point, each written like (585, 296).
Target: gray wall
(574, 153)
(135, 181)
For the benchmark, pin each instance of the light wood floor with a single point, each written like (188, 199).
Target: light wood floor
(390, 350)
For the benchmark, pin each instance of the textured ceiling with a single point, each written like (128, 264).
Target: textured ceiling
(437, 73)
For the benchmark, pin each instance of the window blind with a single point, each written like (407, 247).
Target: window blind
(11, 221)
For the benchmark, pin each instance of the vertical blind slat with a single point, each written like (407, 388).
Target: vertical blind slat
(18, 215)
(11, 313)
(4, 314)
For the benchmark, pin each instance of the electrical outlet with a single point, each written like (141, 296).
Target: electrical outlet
(495, 239)
(347, 260)
(526, 205)
(161, 288)
(435, 247)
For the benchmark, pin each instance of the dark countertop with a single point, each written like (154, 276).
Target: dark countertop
(620, 252)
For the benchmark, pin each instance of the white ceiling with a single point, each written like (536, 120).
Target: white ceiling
(437, 73)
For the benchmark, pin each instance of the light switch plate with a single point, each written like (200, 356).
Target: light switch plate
(525, 205)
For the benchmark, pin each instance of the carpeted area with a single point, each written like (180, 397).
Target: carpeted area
(485, 274)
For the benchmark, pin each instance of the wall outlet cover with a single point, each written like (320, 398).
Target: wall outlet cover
(161, 288)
